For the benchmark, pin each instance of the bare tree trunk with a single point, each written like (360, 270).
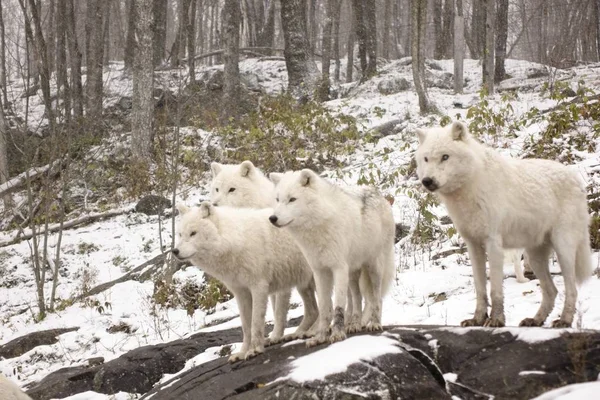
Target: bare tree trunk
(51, 29)
(129, 52)
(191, 40)
(371, 23)
(74, 61)
(159, 29)
(501, 37)
(488, 60)
(4, 173)
(266, 34)
(350, 46)
(597, 6)
(477, 34)
(448, 29)
(231, 41)
(419, 21)
(95, 59)
(459, 47)
(62, 78)
(326, 51)
(143, 84)
(438, 30)
(301, 68)
(387, 22)
(336, 38)
(3, 71)
(313, 25)
(361, 32)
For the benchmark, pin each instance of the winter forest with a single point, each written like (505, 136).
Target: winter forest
(113, 113)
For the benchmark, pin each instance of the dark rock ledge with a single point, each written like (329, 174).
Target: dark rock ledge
(427, 363)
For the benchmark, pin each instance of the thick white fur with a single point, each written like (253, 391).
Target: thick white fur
(342, 234)
(10, 390)
(244, 185)
(239, 247)
(495, 202)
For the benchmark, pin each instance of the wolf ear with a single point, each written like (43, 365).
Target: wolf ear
(183, 209)
(459, 131)
(206, 209)
(246, 168)
(215, 168)
(307, 177)
(275, 177)
(421, 134)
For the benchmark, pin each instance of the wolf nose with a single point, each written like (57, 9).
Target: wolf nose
(273, 219)
(427, 182)
(216, 204)
(175, 251)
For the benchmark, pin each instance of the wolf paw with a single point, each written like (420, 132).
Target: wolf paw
(337, 336)
(317, 340)
(494, 323)
(235, 357)
(373, 327)
(559, 323)
(530, 322)
(354, 327)
(522, 280)
(474, 321)
(270, 341)
(253, 353)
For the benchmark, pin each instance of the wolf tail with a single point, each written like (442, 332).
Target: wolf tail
(583, 261)
(389, 270)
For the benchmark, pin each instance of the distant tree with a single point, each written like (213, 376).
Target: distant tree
(418, 23)
(231, 56)
(459, 47)
(488, 55)
(74, 61)
(326, 50)
(129, 51)
(501, 38)
(3, 71)
(476, 37)
(97, 12)
(62, 77)
(143, 84)
(4, 173)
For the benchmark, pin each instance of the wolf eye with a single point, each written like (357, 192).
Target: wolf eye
(217, 190)
(292, 199)
(426, 159)
(445, 157)
(193, 233)
(277, 199)
(231, 190)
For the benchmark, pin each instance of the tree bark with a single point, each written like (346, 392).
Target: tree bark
(301, 68)
(4, 173)
(62, 78)
(438, 28)
(477, 34)
(448, 29)
(95, 58)
(501, 38)
(597, 6)
(326, 51)
(336, 38)
(74, 61)
(129, 52)
(350, 46)
(159, 29)
(488, 60)
(266, 34)
(418, 23)
(387, 22)
(459, 47)
(143, 84)
(361, 32)
(231, 42)
(371, 23)
(3, 71)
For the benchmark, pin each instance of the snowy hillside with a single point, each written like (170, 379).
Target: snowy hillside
(433, 283)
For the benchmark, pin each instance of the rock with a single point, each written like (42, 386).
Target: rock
(445, 220)
(95, 361)
(388, 128)
(134, 372)
(568, 92)
(213, 79)
(442, 80)
(125, 103)
(391, 85)
(536, 72)
(251, 81)
(401, 231)
(23, 344)
(152, 205)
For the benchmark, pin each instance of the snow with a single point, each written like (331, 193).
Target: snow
(578, 391)
(524, 373)
(426, 291)
(336, 358)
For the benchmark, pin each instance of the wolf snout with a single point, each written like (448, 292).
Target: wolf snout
(175, 251)
(429, 183)
(273, 219)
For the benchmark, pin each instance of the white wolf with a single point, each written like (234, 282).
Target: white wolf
(497, 202)
(342, 234)
(10, 390)
(244, 185)
(239, 247)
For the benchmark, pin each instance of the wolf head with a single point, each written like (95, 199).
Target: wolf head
(296, 193)
(240, 185)
(446, 157)
(197, 231)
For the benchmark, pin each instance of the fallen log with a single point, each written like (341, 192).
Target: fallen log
(20, 180)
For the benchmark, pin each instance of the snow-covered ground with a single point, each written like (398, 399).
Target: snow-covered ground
(426, 290)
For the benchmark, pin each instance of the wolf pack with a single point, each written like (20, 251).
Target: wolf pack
(263, 236)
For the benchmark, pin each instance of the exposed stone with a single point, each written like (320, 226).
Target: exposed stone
(391, 85)
(536, 72)
(23, 344)
(402, 230)
(152, 204)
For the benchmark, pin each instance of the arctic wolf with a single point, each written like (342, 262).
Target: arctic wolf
(497, 202)
(342, 234)
(10, 391)
(239, 247)
(244, 185)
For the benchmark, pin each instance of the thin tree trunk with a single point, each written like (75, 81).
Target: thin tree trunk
(350, 45)
(387, 22)
(231, 42)
(3, 71)
(361, 32)
(51, 29)
(301, 68)
(477, 34)
(336, 38)
(159, 30)
(438, 30)
(488, 60)
(370, 15)
(62, 78)
(326, 51)
(448, 29)
(4, 173)
(313, 25)
(459, 47)
(95, 59)
(129, 52)
(597, 6)
(501, 37)
(74, 61)
(419, 21)
(266, 35)
(191, 40)
(143, 84)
